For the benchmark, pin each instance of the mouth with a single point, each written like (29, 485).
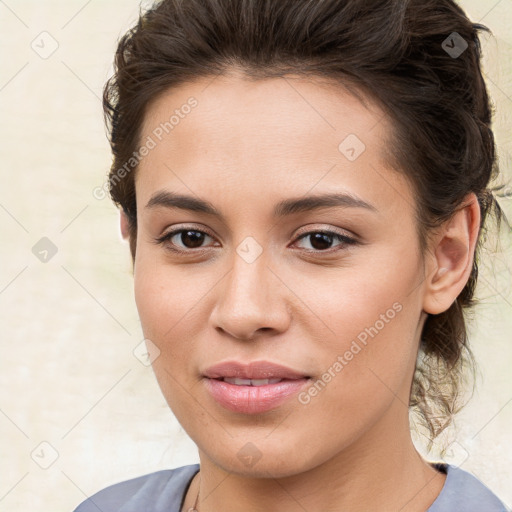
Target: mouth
(253, 388)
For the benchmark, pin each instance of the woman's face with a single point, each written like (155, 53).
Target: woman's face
(258, 281)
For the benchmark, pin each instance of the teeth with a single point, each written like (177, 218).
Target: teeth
(238, 382)
(251, 382)
(259, 382)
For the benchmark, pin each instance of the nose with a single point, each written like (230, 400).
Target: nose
(252, 300)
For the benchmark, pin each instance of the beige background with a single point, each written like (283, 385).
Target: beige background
(69, 378)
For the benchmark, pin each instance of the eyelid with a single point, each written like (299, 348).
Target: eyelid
(328, 230)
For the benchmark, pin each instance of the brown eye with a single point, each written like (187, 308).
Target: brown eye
(191, 239)
(321, 241)
(181, 240)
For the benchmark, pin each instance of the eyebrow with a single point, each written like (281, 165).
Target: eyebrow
(284, 208)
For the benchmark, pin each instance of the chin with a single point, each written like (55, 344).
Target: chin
(263, 459)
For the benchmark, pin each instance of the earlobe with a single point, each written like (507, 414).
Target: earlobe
(451, 257)
(124, 223)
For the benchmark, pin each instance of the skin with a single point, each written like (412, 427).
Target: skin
(245, 147)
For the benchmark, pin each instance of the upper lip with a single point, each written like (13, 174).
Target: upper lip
(252, 370)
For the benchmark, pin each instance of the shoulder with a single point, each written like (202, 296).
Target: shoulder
(465, 493)
(155, 492)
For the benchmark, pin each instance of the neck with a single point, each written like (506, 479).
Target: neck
(369, 475)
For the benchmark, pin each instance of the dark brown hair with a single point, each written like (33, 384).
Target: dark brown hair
(400, 53)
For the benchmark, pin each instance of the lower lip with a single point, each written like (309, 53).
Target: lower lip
(253, 399)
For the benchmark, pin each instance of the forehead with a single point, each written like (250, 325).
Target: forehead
(269, 136)
(291, 110)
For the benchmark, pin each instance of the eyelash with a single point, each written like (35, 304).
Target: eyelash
(344, 239)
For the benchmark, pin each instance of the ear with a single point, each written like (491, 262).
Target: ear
(124, 222)
(450, 258)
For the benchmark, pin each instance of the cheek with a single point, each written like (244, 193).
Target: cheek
(168, 297)
(376, 360)
(374, 299)
(166, 307)
(372, 317)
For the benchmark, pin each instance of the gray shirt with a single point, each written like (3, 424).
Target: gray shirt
(164, 491)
